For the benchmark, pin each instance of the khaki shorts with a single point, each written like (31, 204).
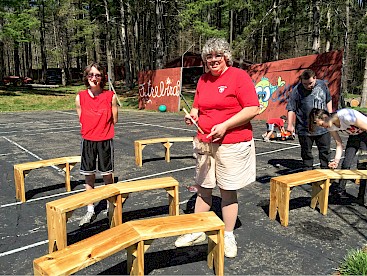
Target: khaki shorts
(230, 166)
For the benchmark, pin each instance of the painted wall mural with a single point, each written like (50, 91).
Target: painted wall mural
(274, 81)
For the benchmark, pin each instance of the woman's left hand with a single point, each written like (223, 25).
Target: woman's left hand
(217, 132)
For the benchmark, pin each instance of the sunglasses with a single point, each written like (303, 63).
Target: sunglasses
(90, 76)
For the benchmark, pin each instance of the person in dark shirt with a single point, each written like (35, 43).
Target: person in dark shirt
(308, 94)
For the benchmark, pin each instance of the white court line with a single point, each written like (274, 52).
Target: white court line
(31, 153)
(23, 248)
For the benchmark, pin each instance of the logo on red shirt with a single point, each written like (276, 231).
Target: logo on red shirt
(221, 88)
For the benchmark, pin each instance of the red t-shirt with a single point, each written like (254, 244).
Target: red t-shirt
(218, 98)
(276, 121)
(96, 116)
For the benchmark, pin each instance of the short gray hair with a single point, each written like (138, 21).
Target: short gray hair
(217, 45)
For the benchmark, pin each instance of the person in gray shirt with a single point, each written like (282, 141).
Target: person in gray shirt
(309, 93)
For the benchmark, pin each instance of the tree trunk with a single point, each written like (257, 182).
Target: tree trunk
(364, 88)
(110, 71)
(276, 23)
(328, 29)
(159, 41)
(316, 27)
(345, 75)
(42, 41)
(125, 45)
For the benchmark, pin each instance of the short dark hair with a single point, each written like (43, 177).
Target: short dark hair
(100, 68)
(283, 117)
(307, 74)
(316, 114)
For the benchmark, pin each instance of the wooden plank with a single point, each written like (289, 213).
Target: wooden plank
(75, 201)
(145, 184)
(300, 178)
(344, 174)
(86, 252)
(177, 225)
(47, 163)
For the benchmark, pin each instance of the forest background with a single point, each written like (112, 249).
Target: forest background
(133, 35)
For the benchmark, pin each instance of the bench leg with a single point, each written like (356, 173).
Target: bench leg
(115, 211)
(139, 154)
(167, 153)
(283, 204)
(173, 201)
(320, 194)
(135, 259)
(216, 251)
(19, 176)
(56, 227)
(273, 206)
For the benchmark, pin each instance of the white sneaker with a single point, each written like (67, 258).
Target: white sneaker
(190, 239)
(230, 246)
(87, 219)
(266, 140)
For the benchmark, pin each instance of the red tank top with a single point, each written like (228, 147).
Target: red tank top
(96, 116)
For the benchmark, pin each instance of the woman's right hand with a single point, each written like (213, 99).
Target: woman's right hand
(188, 120)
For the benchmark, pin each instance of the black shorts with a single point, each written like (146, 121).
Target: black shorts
(93, 151)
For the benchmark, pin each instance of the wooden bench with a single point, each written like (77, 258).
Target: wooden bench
(58, 210)
(22, 170)
(280, 188)
(167, 142)
(162, 227)
(170, 184)
(136, 237)
(86, 252)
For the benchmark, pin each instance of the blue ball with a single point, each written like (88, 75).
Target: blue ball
(162, 108)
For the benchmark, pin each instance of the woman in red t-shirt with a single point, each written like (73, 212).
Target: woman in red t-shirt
(224, 103)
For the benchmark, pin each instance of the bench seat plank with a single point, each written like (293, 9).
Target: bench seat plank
(21, 170)
(167, 142)
(86, 252)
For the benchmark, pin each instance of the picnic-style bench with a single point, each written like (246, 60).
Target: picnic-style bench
(162, 227)
(57, 210)
(167, 142)
(136, 237)
(22, 170)
(280, 188)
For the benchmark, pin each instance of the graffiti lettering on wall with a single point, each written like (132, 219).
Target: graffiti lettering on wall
(160, 87)
(274, 81)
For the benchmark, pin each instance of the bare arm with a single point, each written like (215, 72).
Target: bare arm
(241, 118)
(291, 119)
(339, 149)
(77, 104)
(114, 109)
(329, 106)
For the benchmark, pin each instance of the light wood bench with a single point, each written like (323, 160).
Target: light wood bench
(167, 142)
(86, 252)
(58, 210)
(162, 227)
(280, 188)
(136, 237)
(169, 184)
(22, 170)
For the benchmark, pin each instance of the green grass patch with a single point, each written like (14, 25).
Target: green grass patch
(355, 263)
(61, 98)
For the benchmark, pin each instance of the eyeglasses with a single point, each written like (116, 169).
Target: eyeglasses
(90, 76)
(217, 57)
